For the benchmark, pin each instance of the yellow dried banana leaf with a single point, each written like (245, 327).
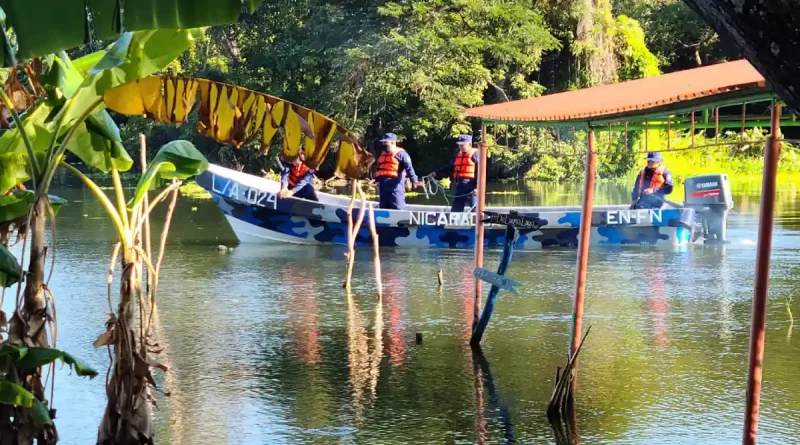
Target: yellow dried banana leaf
(159, 98)
(352, 161)
(243, 128)
(272, 121)
(235, 115)
(316, 149)
(125, 99)
(292, 133)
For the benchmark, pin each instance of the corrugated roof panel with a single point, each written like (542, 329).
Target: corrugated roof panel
(631, 96)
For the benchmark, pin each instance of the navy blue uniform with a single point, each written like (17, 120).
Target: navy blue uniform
(462, 188)
(304, 188)
(643, 201)
(392, 191)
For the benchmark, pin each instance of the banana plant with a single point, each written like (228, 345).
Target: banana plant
(127, 418)
(67, 115)
(17, 402)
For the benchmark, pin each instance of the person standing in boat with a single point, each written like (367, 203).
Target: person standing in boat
(297, 179)
(394, 164)
(653, 184)
(464, 170)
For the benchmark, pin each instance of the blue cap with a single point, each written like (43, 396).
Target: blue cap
(654, 156)
(464, 139)
(389, 137)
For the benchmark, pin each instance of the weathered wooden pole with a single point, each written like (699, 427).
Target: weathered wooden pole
(476, 306)
(352, 232)
(772, 149)
(583, 257)
(376, 253)
(491, 300)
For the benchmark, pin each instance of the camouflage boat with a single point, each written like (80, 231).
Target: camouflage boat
(257, 215)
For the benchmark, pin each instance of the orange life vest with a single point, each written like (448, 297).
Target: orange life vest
(656, 181)
(464, 166)
(388, 164)
(296, 173)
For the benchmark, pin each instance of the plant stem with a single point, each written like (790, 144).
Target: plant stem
(54, 162)
(120, 197)
(160, 197)
(35, 167)
(161, 249)
(101, 196)
(48, 159)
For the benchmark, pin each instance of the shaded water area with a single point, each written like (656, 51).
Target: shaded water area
(263, 345)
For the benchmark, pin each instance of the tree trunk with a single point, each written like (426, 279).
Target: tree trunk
(127, 419)
(767, 33)
(28, 327)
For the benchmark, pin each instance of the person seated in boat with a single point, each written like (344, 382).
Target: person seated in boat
(464, 170)
(653, 184)
(297, 179)
(394, 165)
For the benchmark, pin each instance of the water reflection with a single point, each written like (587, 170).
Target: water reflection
(395, 295)
(263, 346)
(485, 381)
(364, 364)
(303, 329)
(657, 303)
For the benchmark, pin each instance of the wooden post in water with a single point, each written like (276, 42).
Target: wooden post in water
(583, 257)
(375, 250)
(491, 300)
(476, 306)
(351, 251)
(772, 149)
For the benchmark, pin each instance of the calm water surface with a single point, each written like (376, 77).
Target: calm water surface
(264, 347)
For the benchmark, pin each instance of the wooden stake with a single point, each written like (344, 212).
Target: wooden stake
(583, 255)
(350, 239)
(376, 256)
(476, 306)
(772, 148)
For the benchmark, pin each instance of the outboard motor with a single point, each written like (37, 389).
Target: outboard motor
(710, 197)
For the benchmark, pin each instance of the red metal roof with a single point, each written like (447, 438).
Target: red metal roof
(633, 97)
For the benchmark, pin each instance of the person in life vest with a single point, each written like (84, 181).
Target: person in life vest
(297, 179)
(394, 164)
(464, 170)
(653, 184)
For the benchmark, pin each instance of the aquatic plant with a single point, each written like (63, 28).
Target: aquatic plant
(127, 414)
(65, 113)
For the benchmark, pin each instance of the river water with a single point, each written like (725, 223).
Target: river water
(264, 347)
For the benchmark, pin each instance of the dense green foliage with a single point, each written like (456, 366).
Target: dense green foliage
(413, 66)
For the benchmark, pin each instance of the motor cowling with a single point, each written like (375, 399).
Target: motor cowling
(710, 196)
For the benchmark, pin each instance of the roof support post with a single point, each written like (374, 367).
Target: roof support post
(476, 306)
(692, 130)
(669, 133)
(763, 251)
(583, 259)
(744, 115)
(626, 135)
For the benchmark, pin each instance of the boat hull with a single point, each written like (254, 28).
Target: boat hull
(257, 215)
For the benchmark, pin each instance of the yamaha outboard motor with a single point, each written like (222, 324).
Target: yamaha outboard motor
(710, 197)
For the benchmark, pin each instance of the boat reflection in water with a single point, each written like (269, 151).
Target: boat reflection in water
(303, 327)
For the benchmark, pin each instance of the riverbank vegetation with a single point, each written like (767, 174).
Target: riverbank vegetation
(412, 67)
